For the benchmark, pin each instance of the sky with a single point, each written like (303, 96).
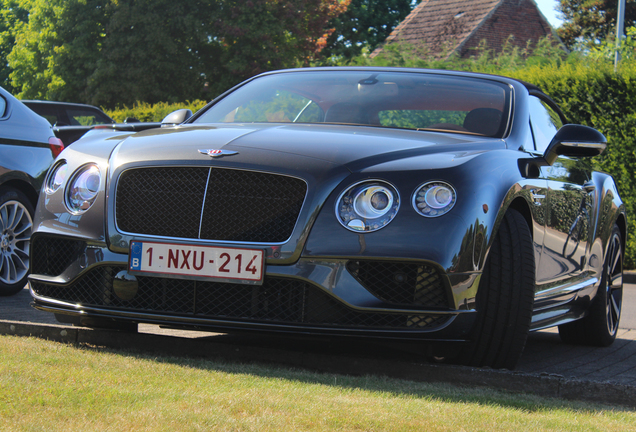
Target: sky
(547, 9)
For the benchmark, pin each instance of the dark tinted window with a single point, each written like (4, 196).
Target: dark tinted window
(59, 114)
(49, 112)
(86, 117)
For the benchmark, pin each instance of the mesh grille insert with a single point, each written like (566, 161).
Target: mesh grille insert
(239, 205)
(52, 255)
(278, 300)
(401, 283)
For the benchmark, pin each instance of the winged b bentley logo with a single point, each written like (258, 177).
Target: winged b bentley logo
(217, 152)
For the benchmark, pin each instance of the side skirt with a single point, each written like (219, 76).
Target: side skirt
(563, 303)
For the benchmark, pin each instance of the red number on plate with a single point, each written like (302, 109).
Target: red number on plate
(222, 269)
(250, 267)
(238, 258)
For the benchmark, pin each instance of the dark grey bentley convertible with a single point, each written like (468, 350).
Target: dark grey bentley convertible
(396, 203)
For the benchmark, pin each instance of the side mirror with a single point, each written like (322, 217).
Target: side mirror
(176, 117)
(575, 141)
(131, 120)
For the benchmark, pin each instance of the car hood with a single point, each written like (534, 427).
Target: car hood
(355, 147)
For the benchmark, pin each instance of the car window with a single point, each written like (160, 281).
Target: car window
(3, 106)
(85, 117)
(280, 106)
(422, 119)
(388, 99)
(528, 144)
(49, 112)
(545, 123)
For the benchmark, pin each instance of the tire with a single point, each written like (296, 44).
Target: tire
(505, 298)
(16, 226)
(600, 326)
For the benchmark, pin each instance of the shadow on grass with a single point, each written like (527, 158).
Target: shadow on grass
(362, 351)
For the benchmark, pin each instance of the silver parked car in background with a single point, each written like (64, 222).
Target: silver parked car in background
(27, 149)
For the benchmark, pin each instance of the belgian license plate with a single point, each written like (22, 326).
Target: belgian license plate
(197, 262)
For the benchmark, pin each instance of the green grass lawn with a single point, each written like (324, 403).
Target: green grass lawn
(52, 386)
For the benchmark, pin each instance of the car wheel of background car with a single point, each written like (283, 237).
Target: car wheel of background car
(505, 298)
(600, 326)
(16, 225)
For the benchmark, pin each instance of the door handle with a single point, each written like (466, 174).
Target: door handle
(589, 187)
(536, 197)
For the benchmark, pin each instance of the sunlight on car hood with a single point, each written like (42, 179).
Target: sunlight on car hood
(338, 145)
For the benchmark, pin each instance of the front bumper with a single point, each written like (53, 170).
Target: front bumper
(371, 297)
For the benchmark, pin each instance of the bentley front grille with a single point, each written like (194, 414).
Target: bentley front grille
(278, 300)
(209, 203)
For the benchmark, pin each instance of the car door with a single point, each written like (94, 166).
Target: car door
(570, 196)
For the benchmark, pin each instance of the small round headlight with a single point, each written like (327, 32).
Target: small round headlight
(367, 206)
(83, 188)
(56, 177)
(434, 199)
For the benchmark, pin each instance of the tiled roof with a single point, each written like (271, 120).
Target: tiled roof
(444, 25)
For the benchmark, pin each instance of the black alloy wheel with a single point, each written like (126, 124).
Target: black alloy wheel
(600, 326)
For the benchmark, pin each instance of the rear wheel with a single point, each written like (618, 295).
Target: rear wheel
(16, 226)
(505, 298)
(600, 326)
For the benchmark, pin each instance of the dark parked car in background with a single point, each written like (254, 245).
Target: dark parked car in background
(69, 120)
(27, 150)
(69, 114)
(454, 209)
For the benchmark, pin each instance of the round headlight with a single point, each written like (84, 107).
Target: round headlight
(434, 199)
(56, 177)
(83, 188)
(367, 206)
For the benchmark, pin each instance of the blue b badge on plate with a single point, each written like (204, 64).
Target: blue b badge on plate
(135, 255)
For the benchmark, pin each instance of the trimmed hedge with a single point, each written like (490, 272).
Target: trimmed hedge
(595, 95)
(152, 113)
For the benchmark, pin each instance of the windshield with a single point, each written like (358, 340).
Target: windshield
(404, 100)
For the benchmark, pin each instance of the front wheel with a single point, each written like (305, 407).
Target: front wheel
(505, 298)
(600, 326)
(16, 226)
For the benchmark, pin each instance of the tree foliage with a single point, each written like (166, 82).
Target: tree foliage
(12, 17)
(365, 24)
(588, 22)
(109, 52)
(56, 48)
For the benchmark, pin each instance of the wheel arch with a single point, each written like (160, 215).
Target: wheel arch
(621, 221)
(521, 205)
(23, 186)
